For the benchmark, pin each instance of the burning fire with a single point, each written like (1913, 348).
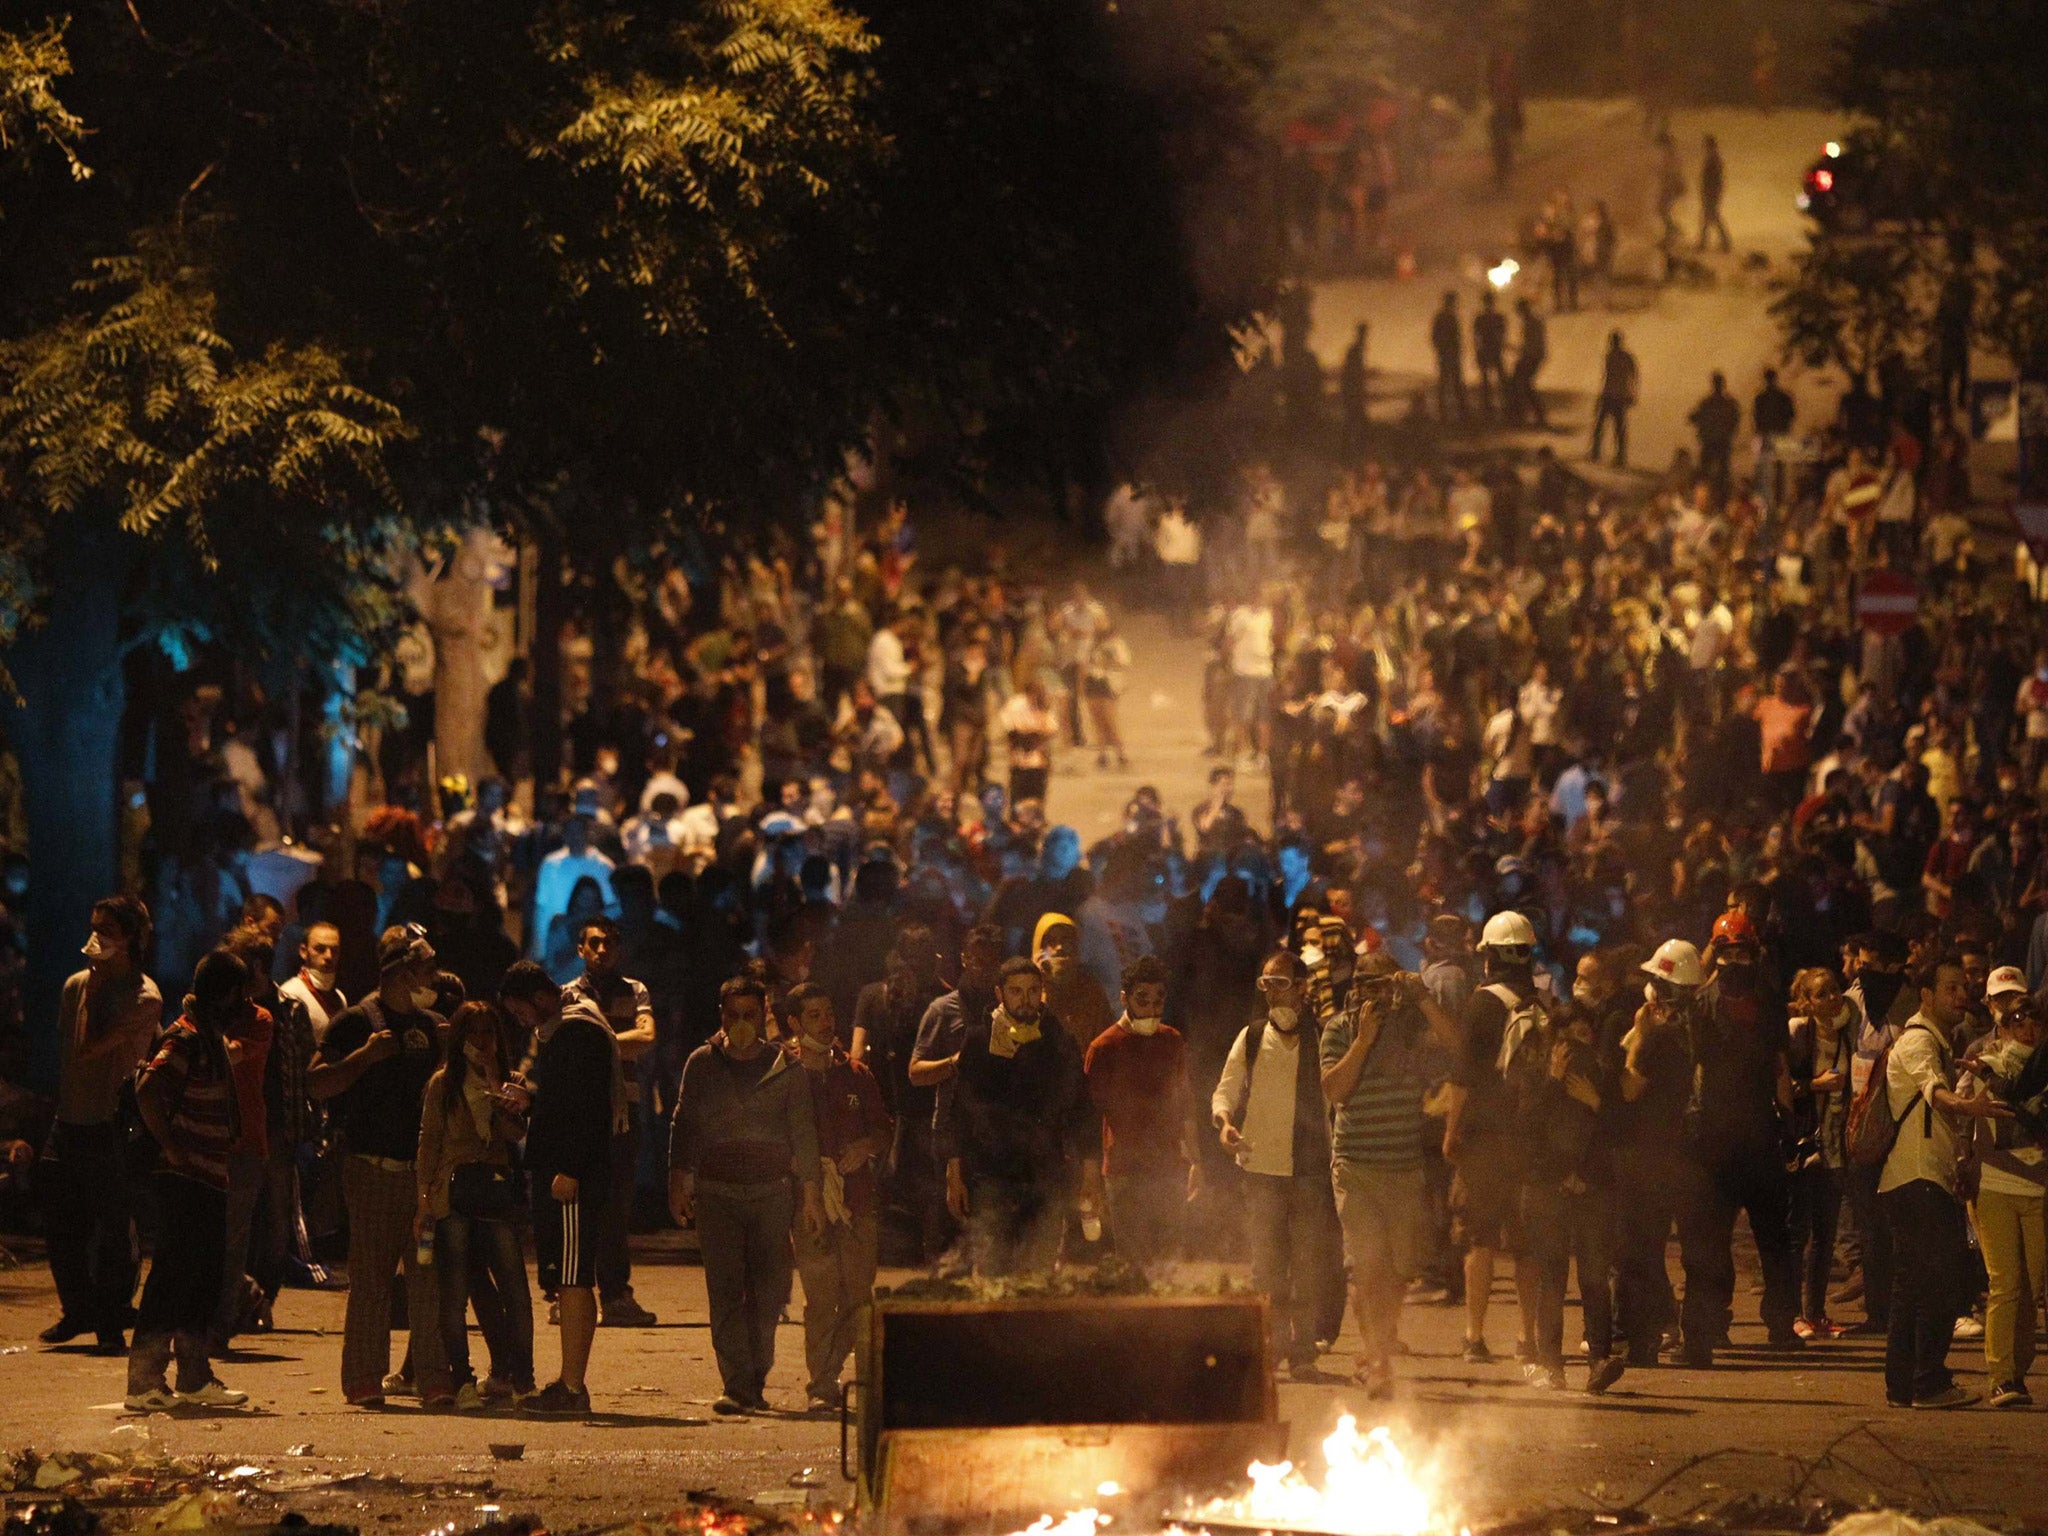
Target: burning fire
(1370, 1489)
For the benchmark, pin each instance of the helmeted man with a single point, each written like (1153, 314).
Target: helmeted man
(1501, 1018)
(1742, 1084)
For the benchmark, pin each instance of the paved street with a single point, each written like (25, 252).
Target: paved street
(1504, 1447)
(1599, 150)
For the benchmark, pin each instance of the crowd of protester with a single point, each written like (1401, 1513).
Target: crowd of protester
(1618, 881)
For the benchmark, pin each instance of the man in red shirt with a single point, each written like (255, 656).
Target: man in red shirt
(854, 1128)
(1137, 1075)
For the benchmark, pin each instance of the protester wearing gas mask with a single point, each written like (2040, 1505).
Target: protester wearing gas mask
(1646, 1125)
(1502, 1022)
(186, 1096)
(1372, 1068)
(1269, 1113)
(1742, 1099)
(1137, 1074)
(372, 1066)
(837, 1261)
(1072, 994)
(107, 1016)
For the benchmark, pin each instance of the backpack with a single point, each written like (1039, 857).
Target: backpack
(1873, 1130)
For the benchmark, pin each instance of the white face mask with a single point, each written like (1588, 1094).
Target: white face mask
(1138, 1026)
(1583, 994)
(424, 997)
(324, 980)
(1282, 1018)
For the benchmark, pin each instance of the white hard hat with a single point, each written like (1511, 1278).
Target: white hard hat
(1676, 962)
(1507, 930)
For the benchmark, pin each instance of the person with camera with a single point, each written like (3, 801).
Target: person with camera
(1373, 1081)
(469, 1197)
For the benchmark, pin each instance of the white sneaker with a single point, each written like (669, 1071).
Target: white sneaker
(155, 1400)
(214, 1395)
(468, 1399)
(1968, 1328)
(396, 1385)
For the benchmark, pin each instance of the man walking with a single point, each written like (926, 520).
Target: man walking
(1137, 1076)
(1713, 182)
(837, 1262)
(1525, 405)
(628, 1011)
(1618, 386)
(1489, 354)
(1269, 1113)
(568, 1150)
(107, 1017)
(1930, 1242)
(1447, 339)
(1012, 1116)
(1372, 1076)
(741, 1146)
(374, 1064)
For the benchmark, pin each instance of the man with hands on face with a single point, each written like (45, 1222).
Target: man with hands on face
(1373, 1081)
(1012, 1115)
(743, 1143)
(568, 1153)
(373, 1063)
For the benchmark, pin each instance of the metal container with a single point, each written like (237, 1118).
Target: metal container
(977, 1417)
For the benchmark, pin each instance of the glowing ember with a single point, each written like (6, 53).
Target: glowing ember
(1078, 1522)
(1369, 1489)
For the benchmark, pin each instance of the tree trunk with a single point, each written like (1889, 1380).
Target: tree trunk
(66, 735)
(550, 612)
(457, 609)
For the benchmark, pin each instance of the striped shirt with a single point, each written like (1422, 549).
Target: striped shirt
(1380, 1125)
(199, 1091)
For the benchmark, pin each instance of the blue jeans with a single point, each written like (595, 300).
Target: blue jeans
(498, 1252)
(1285, 1228)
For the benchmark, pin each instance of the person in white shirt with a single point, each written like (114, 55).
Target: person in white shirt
(1538, 704)
(889, 665)
(1920, 1199)
(1178, 544)
(1126, 516)
(1269, 1113)
(313, 987)
(1248, 652)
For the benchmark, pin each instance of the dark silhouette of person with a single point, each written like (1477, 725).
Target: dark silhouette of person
(1351, 401)
(1525, 405)
(1619, 381)
(1713, 183)
(1447, 337)
(1714, 421)
(1489, 353)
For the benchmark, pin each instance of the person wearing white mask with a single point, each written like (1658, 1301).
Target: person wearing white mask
(1137, 1073)
(1269, 1113)
(837, 1261)
(108, 1017)
(315, 986)
(374, 1064)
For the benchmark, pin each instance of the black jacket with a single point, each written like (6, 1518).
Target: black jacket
(571, 1127)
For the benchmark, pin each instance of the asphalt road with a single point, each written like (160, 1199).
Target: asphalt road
(1501, 1447)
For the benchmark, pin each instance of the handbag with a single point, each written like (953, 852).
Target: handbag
(485, 1191)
